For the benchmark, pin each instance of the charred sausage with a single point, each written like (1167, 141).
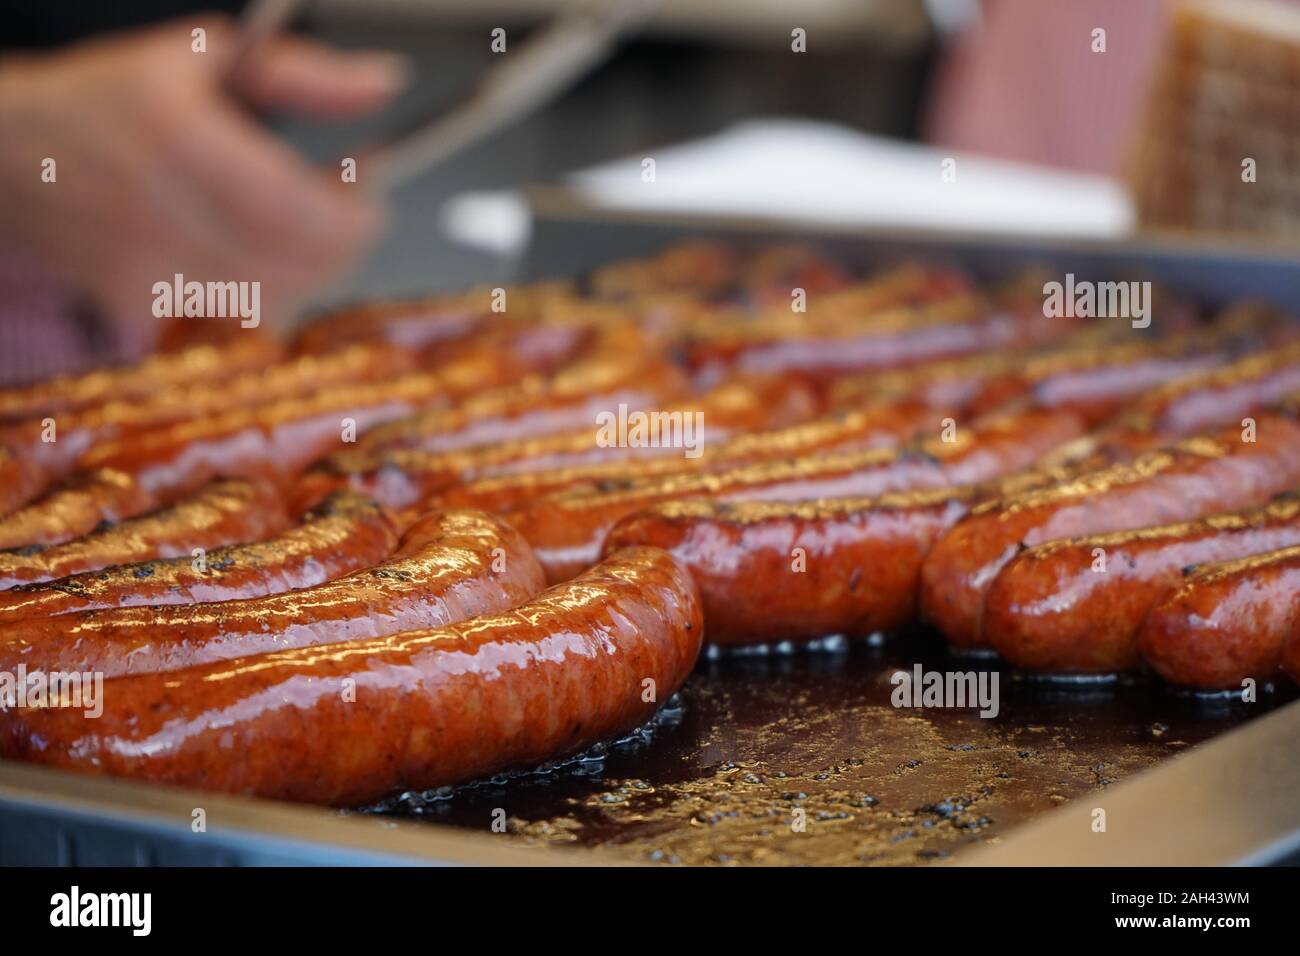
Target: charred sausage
(345, 533)
(1192, 479)
(75, 507)
(1076, 605)
(351, 722)
(222, 512)
(567, 529)
(450, 566)
(1226, 622)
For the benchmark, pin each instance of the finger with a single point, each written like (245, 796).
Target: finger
(302, 76)
(271, 199)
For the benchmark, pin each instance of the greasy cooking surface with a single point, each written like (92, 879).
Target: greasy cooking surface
(758, 736)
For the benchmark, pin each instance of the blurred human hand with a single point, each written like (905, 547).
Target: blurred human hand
(162, 170)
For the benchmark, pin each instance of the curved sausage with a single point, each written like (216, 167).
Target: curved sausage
(1226, 622)
(420, 324)
(345, 533)
(1056, 608)
(203, 363)
(349, 723)
(280, 439)
(958, 326)
(75, 507)
(859, 430)
(1213, 399)
(220, 513)
(450, 566)
(1192, 479)
(1091, 380)
(771, 572)
(79, 429)
(537, 406)
(402, 479)
(567, 529)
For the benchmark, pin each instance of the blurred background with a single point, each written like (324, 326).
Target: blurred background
(1088, 118)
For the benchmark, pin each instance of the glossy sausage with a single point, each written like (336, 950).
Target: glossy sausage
(403, 479)
(957, 327)
(345, 533)
(1226, 622)
(348, 723)
(222, 512)
(1192, 479)
(1076, 605)
(863, 429)
(76, 431)
(770, 571)
(202, 363)
(74, 508)
(450, 566)
(280, 439)
(567, 529)
(537, 406)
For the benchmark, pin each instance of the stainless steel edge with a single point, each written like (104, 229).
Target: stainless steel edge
(1231, 801)
(49, 816)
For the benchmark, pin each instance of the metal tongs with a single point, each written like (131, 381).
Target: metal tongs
(582, 36)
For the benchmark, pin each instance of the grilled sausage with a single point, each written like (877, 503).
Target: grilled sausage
(204, 363)
(280, 439)
(862, 429)
(80, 429)
(567, 529)
(220, 513)
(404, 479)
(1055, 608)
(450, 566)
(345, 533)
(771, 572)
(960, 326)
(1226, 622)
(1212, 399)
(352, 722)
(421, 324)
(537, 406)
(74, 508)
(1192, 479)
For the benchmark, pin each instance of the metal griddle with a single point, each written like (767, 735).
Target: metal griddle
(753, 737)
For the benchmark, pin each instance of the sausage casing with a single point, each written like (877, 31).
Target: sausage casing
(1189, 480)
(1076, 605)
(450, 566)
(349, 723)
(1226, 622)
(345, 533)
